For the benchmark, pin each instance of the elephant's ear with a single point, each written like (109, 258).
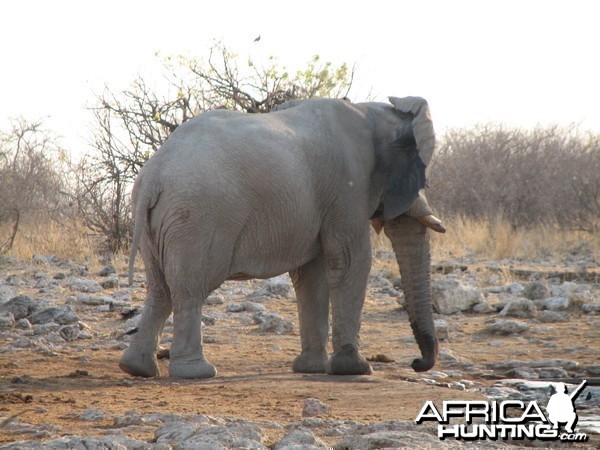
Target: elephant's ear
(413, 146)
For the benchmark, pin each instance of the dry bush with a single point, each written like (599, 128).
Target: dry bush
(31, 179)
(526, 177)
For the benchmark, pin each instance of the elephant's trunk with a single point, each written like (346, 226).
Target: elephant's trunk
(411, 244)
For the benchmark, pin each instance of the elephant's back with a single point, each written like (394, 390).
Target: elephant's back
(222, 149)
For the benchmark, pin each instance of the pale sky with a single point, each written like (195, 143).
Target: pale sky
(519, 62)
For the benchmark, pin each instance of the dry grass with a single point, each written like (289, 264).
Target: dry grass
(465, 238)
(497, 240)
(50, 238)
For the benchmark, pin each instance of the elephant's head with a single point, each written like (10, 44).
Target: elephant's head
(403, 213)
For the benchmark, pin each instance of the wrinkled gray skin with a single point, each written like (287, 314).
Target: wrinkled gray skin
(235, 196)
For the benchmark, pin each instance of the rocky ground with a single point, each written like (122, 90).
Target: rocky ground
(507, 332)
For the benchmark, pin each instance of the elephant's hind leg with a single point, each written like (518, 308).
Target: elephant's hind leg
(199, 261)
(312, 294)
(139, 359)
(187, 355)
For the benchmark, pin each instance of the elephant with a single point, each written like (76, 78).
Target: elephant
(234, 196)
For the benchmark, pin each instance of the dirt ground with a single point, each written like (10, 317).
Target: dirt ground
(255, 379)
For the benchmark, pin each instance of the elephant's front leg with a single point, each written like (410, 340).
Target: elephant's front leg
(348, 262)
(187, 355)
(312, 295)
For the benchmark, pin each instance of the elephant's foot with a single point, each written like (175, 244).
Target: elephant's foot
(198, 368)
(348, 361)
(310, 362)
(139, 363)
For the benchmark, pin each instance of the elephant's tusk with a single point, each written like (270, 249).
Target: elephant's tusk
(432, 222)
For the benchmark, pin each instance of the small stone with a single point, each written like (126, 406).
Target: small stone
(273, 322)
(61, 316)
(110, 283)
(23, 324)
(208, 320)
(6, 292)
(313, 408)
(506, 327)
(553, 372)
(450, 296)
(7, 320)
(527, 373)
(245, 306)
(234, 308)
(555, 303)
(41, 259)
(566, 364)
(498, 392)
(88, 286)
(515, 288)
(593, 370)
(214, 299)
(20, 306)
(565, 289)
(107, 270)
(45, 328)
(448, 356)
(381, 358)
(252, 307)
(69, 332)
(130, 418)
(113, 442)
(92, 300)
(591, 308)
(483, 308)
(521, 307)
(92, 415)
(389, 439)
(553, 316)
(469, 384)
(441, 329)
(536, 290)
(436, 374)
(493, 279)
(279, 286)
(300, 439)
(59, 276)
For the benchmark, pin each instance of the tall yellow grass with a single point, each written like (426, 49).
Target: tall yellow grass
(498, 240)
(70, 240)
(494, 240)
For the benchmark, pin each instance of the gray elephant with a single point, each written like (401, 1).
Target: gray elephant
(234, 196)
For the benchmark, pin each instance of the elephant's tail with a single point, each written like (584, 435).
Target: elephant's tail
(143, 200)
